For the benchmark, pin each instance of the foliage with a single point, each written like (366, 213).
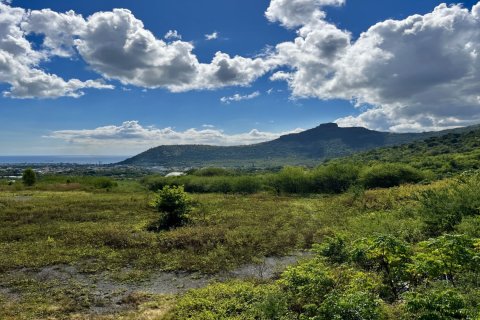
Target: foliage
(29, 177)
(233, 300)
(444, 257)
(435, 304)
(174, 205)
(333, 248)
(444, 208)
(390, 175)
(387, 255)
(335, 177)
(104, 183)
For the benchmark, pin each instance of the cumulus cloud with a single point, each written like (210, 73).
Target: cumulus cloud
(420, 73)
(19, 61)
(133, 134)
(117, 46)
(238, 97)
(173, 34)
(211, 36)
(294, 13)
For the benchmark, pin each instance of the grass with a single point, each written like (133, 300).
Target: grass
(103, 231)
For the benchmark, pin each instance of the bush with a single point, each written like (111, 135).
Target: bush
(442, 303)
(335, 177)
(291, 180)
(174, 205)
(232, 300)
(29, 177)
(247, 185)
(351, 306)
(334, 249)
(390, 175)
(212, 172)
(443, 209)
(104, 183)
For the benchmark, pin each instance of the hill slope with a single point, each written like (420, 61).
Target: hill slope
(306, 148)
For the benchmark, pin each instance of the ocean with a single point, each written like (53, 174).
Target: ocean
(61, 159)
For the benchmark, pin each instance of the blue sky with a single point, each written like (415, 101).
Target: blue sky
(125, 114)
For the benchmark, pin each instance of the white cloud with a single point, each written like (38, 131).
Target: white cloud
(211, 36)
(294, 13)
(117, 45)
(19, 61)
(420, 73)
(173, 34)
(131, 134)
(238, 97)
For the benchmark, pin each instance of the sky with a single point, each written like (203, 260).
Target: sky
(116, 77)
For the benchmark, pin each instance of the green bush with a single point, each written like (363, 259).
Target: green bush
(232, 300)
(29, 177)
(334, 249)
(174, 205)
(442, 209)
(388, 175)
(435, 304)
(335, 177)
(351, 306)
(247, 185)
(212, 172)
(104, 183)
(292, 180)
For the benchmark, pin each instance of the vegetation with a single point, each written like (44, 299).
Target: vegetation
(324, 142)
(174, 205)
(381, 239)
(29, 177)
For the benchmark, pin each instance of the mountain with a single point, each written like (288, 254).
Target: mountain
(326, 141)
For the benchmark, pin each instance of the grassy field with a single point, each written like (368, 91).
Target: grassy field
(76, 250)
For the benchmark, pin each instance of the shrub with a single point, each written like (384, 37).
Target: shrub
(443, 209)
(212, 172)
(247, 185)
(174, 205)
(440, 303)
(334, 249)
(351, 306)
(104, 183)
(292, 180)
(29, 177)
(390, 175)
(387, 255)
(445, 257)
(335, 177)
(232, 300)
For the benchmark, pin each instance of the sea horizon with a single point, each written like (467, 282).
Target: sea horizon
(59, 159)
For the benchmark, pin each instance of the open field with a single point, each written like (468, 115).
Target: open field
(84, 252)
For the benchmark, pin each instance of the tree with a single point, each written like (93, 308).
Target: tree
(29, 177)
(174, 205)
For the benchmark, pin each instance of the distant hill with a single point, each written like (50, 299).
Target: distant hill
(453, 152)
(326, 141)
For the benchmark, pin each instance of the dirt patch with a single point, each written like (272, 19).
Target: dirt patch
(111, 296)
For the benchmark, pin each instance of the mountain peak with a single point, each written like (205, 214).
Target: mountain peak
(328, 125)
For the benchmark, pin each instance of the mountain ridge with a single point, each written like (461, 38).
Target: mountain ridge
(308, 147)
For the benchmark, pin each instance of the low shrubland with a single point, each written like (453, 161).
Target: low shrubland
(330, 178)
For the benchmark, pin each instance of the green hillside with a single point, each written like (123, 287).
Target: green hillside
(326, 141)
